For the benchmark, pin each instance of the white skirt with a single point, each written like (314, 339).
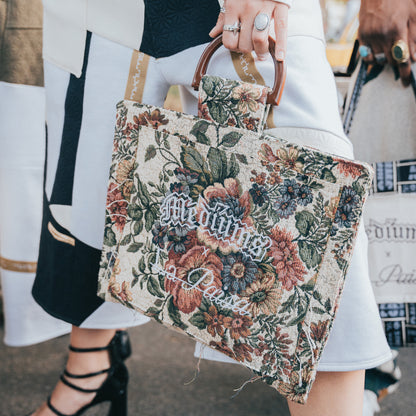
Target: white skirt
(308, 113)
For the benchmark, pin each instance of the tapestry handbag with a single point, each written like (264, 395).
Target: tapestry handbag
(236, 238)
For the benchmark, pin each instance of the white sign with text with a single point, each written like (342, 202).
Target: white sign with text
(390, 223)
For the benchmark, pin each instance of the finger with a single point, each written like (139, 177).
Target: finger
(280, 14)
(412, 41)
(230, 39)
(217, 29)
(260, 38)
(245, 40)
(405, 72)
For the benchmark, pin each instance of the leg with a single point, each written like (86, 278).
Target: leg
(66, 399)
(333, 393)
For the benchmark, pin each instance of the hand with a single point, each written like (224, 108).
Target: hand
(382, 23)
(249, 38)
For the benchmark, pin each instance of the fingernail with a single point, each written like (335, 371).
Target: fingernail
(280, 56)
(262, 56)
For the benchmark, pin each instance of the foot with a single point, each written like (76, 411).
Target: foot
(67, 400)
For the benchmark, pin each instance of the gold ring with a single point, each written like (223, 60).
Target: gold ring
(400, 52)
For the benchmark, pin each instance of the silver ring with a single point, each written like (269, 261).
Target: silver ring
(261, 22)
(380, 58)
(235, 28)
(222, 9)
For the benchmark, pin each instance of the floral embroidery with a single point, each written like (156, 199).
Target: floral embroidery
(225, 232)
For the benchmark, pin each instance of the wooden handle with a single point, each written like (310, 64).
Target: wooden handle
(274, 95)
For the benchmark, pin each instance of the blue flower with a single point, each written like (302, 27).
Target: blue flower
(344, 217)
(232, 206)
(185, 175)
(259, 194)
(305, 196)
(285, 206)
(349, 199)
(178, 239)
(159, 234)
(238, 272)
(290, 187)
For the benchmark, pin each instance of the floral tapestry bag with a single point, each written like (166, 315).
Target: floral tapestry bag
(239, 239)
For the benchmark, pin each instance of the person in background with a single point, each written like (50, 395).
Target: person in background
(22, 144)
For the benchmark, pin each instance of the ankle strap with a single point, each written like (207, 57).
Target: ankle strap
(53, 409)
(75, 387)
(96, 349)
(97, 373)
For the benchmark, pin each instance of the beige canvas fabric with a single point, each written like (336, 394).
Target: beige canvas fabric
(21, 42)
(384, 123)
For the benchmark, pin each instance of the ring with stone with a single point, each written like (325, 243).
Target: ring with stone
(261, 22)
(364, 51)
(380, 58)
(400, 52)
(222, 9)
(235, 28)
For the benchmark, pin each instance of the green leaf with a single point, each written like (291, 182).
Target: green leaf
(208, 86)
(242, 159)
(217, 112)
(142, 192)
(137, 227)
(134, 272)
(126, 240)
(327, 175)
(161, 280)
(148, 216)
(204, 305)
(152, 312)
(233, 167)
(158, 303)
(299, 318)
(218, 164)
(192, 159)
(199, 130)
(134, 248)
(175, 315)
(307, 287)
(309, 254)
(289, 304)
(305, 222)
(198, 320)
(153, 287)
(328, 306)
(357, 187)
(150, 153)
(134, 212)
(109, 237)
(316, 185)
(319, 311)
(231, 139)
(142, 265)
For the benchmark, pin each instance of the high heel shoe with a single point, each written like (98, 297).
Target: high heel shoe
(114, 388)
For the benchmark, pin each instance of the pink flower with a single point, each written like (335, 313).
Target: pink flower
(284, 252)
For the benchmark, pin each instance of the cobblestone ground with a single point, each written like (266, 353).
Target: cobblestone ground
(161, 364)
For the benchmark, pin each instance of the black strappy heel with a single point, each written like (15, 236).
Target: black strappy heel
(114, 388)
